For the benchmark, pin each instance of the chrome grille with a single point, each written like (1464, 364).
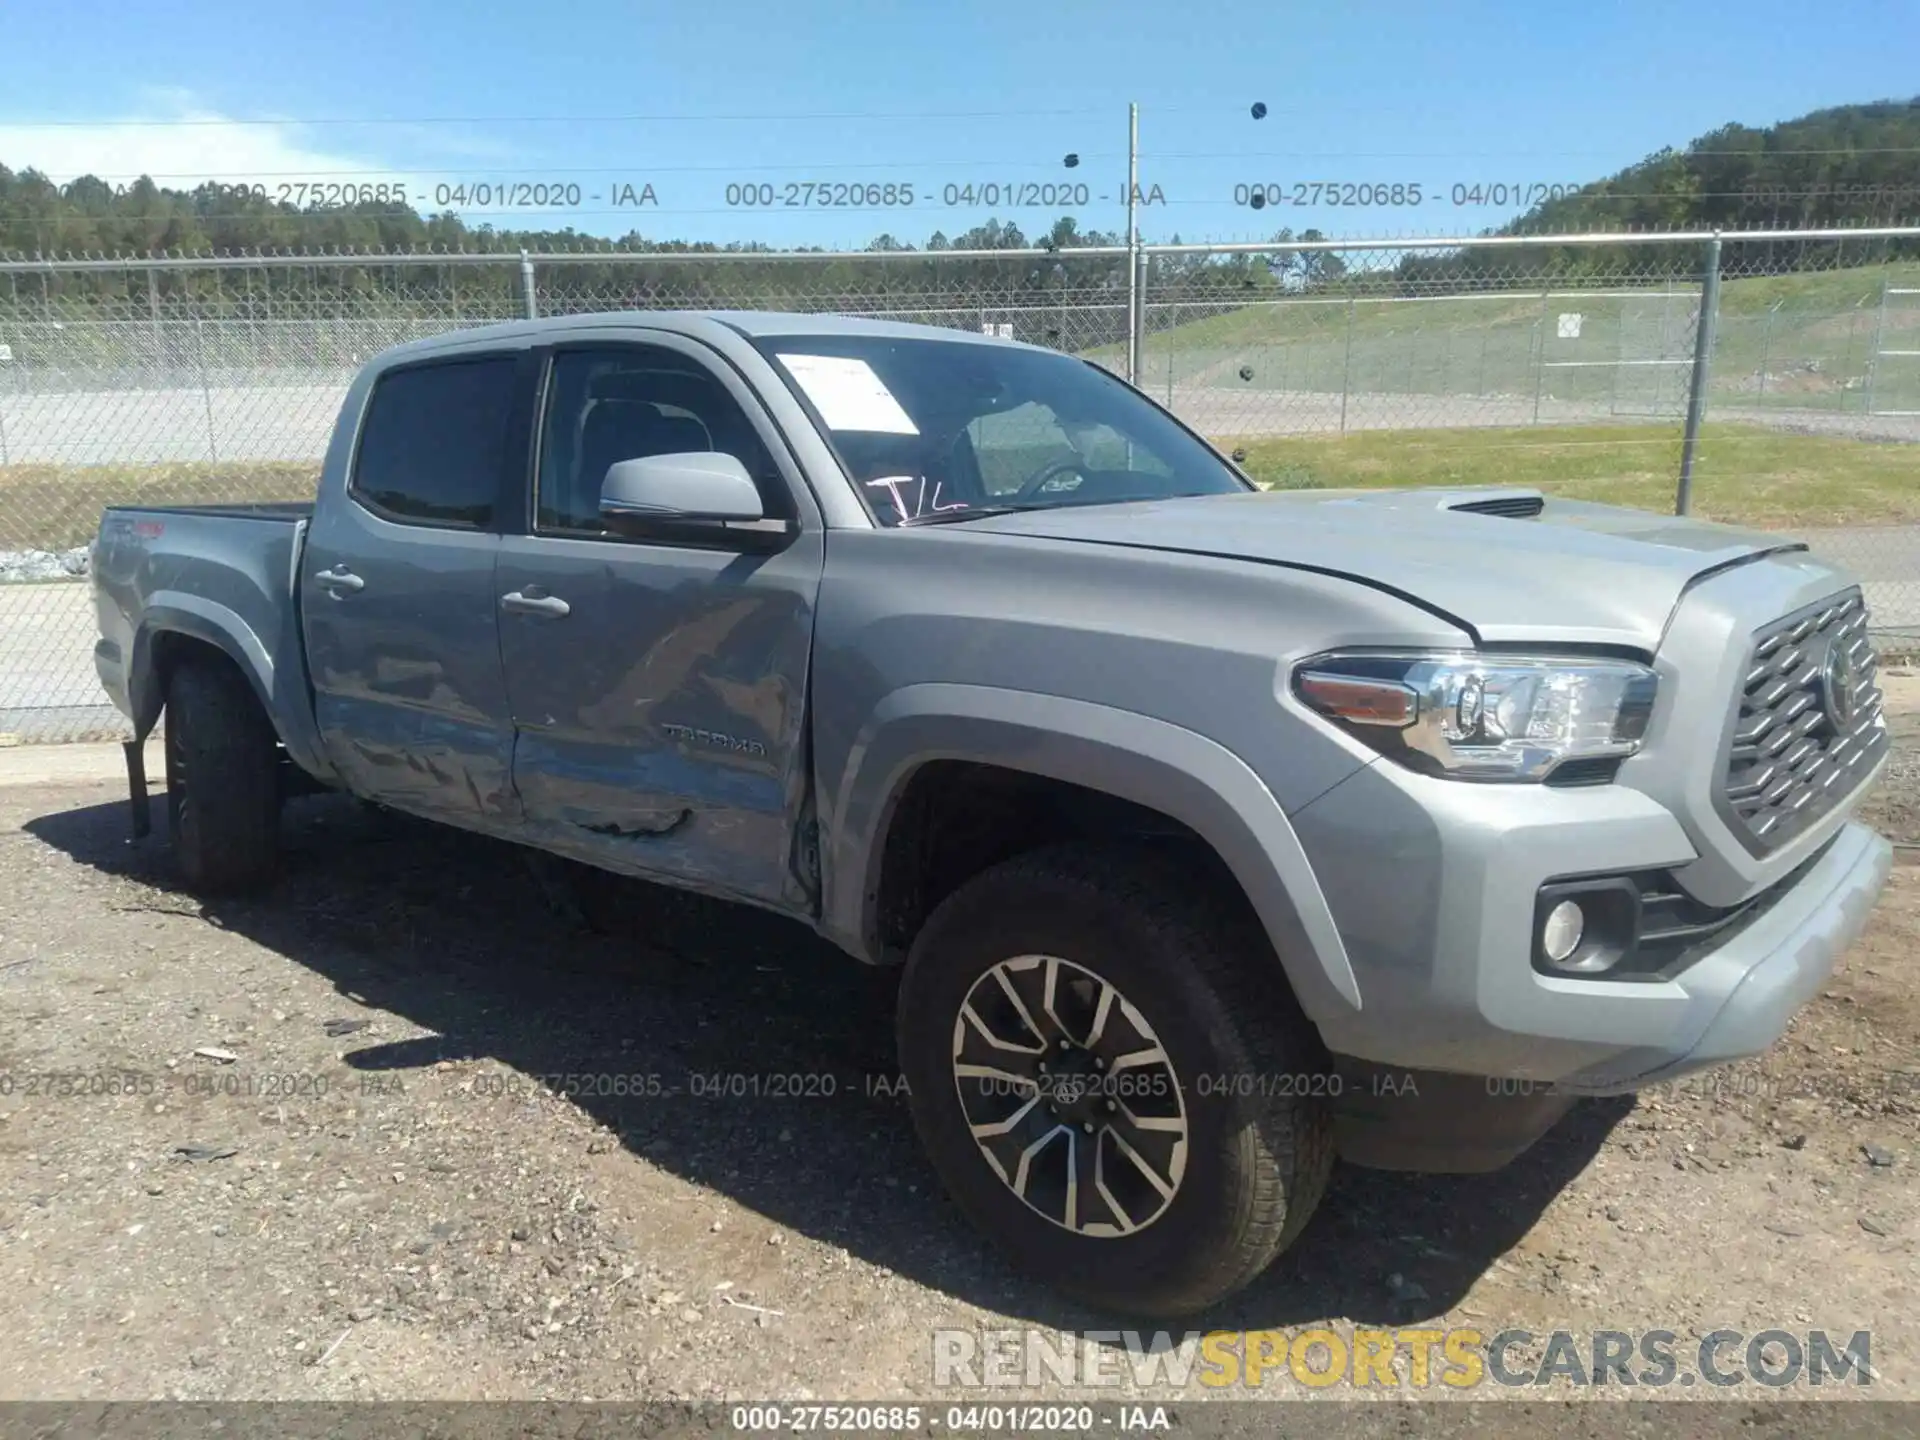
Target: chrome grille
(1807, 729)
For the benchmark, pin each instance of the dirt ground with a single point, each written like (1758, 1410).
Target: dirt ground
(379, 1186)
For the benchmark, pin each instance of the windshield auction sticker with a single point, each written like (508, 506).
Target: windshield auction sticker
(848, 395)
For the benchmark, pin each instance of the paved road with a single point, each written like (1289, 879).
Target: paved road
(48, 690)
(100, 427)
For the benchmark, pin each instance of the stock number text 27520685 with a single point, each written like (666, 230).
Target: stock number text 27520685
(905, 194)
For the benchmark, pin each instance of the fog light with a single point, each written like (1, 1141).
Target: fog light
(1560, 936)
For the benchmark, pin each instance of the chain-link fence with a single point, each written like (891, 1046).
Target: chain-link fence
(1571, 363)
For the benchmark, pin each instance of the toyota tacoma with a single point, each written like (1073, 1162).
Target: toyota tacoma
(1216, 833)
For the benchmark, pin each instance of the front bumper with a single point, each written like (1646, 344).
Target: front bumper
(1432, 884)
(1748, 989)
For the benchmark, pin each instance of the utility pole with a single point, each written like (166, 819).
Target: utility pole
(1702, 370)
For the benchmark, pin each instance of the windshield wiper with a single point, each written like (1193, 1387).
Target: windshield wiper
(964, 512)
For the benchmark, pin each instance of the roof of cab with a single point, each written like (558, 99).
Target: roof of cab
(751, 323)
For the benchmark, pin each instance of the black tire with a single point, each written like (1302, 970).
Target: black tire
(1200, 971)
(223, 779)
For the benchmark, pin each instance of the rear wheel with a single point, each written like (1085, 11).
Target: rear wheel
(223, 780)
(1113, 1079)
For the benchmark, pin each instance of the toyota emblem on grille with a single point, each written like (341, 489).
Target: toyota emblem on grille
(1839, 686)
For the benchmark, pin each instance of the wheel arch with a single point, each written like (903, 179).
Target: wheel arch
(1147, 765)
(179, 626)
(176, 624)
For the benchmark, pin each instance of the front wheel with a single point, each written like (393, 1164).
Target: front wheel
(1112, 1078)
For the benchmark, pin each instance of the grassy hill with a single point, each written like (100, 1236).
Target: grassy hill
(1810, 335)
(1745, 474)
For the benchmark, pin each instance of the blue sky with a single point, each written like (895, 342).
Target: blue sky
(691, 98)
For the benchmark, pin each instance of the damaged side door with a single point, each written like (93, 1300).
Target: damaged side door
(397, 586)
(658, 679)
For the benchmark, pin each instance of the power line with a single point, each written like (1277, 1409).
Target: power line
(211, 121)
(485, 172)
(1515, 154)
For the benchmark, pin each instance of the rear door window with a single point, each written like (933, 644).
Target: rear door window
(433, 444)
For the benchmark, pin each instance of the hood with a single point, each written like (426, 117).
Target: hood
(1562, 571)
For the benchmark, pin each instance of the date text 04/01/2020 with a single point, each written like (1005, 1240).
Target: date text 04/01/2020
(455, 194)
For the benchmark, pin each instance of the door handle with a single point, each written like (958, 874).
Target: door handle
(338, 581)
(521, 603)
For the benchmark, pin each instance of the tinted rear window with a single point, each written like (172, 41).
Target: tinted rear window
(433, 443)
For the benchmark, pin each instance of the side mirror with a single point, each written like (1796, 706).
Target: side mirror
(698, 485)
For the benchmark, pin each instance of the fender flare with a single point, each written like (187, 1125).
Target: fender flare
(175, 612)
(1131, 756)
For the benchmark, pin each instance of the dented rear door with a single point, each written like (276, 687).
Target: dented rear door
(397, 591)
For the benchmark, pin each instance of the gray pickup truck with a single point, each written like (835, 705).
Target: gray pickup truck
(1217, 832)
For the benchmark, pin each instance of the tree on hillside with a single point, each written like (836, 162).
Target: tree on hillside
(1849, 166)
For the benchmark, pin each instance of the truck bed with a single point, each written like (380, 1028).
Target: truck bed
(223, 575)
(255, 510)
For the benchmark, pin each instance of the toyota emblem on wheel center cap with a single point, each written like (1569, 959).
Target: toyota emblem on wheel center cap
(1839, 682)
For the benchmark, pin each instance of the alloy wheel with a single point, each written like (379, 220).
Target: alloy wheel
(1070, 1095)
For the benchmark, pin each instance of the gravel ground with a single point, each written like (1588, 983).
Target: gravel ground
(375, 1185)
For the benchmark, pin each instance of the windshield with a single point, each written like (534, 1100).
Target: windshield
(940, 428)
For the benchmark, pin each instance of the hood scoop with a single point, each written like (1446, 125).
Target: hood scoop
(1513, 504)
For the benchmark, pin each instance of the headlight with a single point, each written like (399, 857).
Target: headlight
(1468, 716)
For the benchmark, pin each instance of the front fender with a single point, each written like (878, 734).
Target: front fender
(1131, 756)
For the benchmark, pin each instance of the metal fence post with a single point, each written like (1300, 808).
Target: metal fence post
(1766, 345)
(1702, 369)
(13, 386)
(1619, 355)
(153, 321)
(206, 391)
(1540, 352)
(1133, 245)
(527, 291)
(1879, 338)
(1137, 341)
(1346, 367)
